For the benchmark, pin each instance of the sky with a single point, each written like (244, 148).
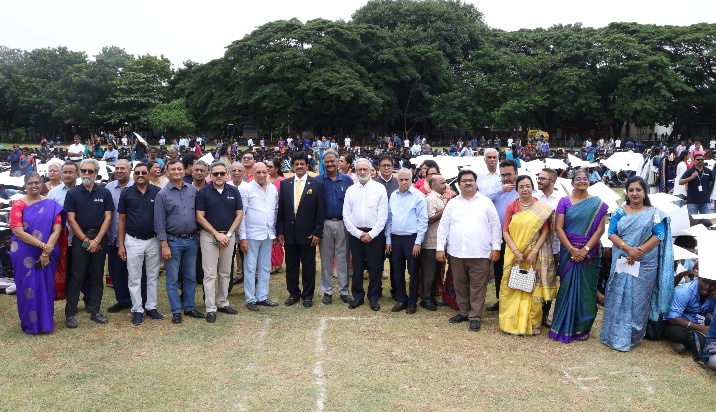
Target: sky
(200, 31)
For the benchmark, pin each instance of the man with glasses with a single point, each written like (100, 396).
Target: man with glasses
(89, 212)
(219, 212)
(138, 244)
(545, 183)
(488, 180)
(699, 182)
(248, 160)
(118, 267)
(470, 232)
(501, 196)
(385, 178)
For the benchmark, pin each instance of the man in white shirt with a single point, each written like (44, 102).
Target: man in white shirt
(489, 179)
(365, 212)
(509, 142)
(618, 143)
(545, 183)
(712, 143)
(347, 142)
(250, 143)
(470, 228)
(257, 232)
(76, 151)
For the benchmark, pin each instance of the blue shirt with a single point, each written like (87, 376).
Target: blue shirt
(501, 200)
(407, 215)
(334, 192)
(174, 210)
(687, 303)
(220, 208)
(139, 209)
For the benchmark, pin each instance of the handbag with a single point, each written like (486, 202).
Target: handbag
(522, 279)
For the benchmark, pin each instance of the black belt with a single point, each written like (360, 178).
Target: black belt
(85, 231)
(364, 229)
(185, 236)
(335, 218)
(152, 236)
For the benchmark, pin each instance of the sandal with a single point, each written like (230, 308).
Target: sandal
(536, 331)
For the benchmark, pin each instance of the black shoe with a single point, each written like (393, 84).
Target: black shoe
(154, 314)
(345, 299)
(211, 317)
(493, 308)
(71, 322)
(474, 325)
(399, 306)
(226, 309)
(354, 304)
(99, 318)
(308, 303)
(176, 317)
(426, 304)
(327, 299)
(194, 314)
(374, 305)
(458, 318)
(267, 302)
(411, 309)
(291, 301)
(117, 307)
(437, 303)
(237, 279)
(253, 307)
(137, 318)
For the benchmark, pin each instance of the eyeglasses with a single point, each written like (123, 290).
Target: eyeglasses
(248, 158)
(386, 165)
(88, 171)
(35, 183)
(217, 174)
(142, 173)
(543, 178)
(524, 187)
(467, 180)
(581, 179)
(506, 175)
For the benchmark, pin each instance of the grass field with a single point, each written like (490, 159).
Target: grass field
(330, 358)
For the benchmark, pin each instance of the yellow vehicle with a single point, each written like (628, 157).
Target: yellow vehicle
(535, 134)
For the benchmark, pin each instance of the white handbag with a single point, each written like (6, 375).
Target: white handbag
(522, 279)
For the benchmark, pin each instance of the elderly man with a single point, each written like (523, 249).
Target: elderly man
(435, 204)
(471, 230)
(404, 233)
(334, 244)
(175, 226)
(365, 212)
(488, 180)
(118, 267)
(237, 178)
(219, 213)
(89, 213)
(257, 233)
(137, 243)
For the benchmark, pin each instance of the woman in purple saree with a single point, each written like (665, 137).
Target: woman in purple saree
(36, 224)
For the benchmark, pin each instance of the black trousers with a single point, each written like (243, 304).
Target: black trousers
(402, 254)
(86, 285)
(693, 340)
(85, 264)
(498, 266)
(431, 272)
(305, 257)
(373, 252)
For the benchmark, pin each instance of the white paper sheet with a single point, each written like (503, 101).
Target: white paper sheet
(624, 267)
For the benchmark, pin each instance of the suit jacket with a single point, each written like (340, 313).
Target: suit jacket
(308, 220)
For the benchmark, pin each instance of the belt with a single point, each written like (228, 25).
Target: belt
(335, 218)
(364, 229)
(180, 236)
(152, 236)
(85, 231)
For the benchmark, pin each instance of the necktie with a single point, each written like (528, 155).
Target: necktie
(297, 195)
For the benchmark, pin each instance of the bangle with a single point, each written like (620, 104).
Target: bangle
(687, 326)
(44, 255)
(85, 239)
(95, 240)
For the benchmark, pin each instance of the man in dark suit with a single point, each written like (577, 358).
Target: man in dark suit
(299, 227)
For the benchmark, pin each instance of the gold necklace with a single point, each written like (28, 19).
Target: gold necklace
(524, 205)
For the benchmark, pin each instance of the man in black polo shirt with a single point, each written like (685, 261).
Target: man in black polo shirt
(219, 212)
(137, 244)
(89, 211)
(698, 180)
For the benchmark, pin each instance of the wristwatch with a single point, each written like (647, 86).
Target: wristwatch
(586, 248)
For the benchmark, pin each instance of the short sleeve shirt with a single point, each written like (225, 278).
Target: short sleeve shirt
(89, 206)
(220, 207)
(704, 179)
(139, 209)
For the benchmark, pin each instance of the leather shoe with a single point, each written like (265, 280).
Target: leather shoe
(327, 299)
(374, 305)
(253, 307)
(194, 314)
(211, 317)
(493, 308)
(411, 310)
(117, 307)
(399, 306)
(99, 318)
(154, 314)
(176, 317)
(291, 301)
(546, 322)
(345, 299)
(137, 318)
(307, 303)
(426, 304)
(71, 322)
(226, 309)
(437, 303)
(267, 302)
(474, 325)
(458, 318)
(354, 304)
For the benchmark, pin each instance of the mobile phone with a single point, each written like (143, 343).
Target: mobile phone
(38, 264)
(85, 244)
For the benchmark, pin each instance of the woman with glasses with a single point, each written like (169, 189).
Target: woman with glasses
(641, 234)
(528, 224)
(579, 224)
(275, 176)
(36, 224)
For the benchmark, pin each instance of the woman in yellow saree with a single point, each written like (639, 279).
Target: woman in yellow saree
(528, 224)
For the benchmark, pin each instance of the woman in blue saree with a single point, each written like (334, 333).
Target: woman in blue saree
(36, 224)
(579, 225)
(640, 234)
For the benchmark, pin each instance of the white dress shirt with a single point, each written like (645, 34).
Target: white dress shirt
(488, 182)
(552, 201)
(260, 211)
(76, 148)
(470, 228)
(365, 206)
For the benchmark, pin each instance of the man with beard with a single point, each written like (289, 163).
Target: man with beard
(219, 213)
(89, 212)
(545, 183)
(118, 267)
(365, 212)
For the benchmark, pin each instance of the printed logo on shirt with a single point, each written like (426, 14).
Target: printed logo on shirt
(99, 200)
(230, 197)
